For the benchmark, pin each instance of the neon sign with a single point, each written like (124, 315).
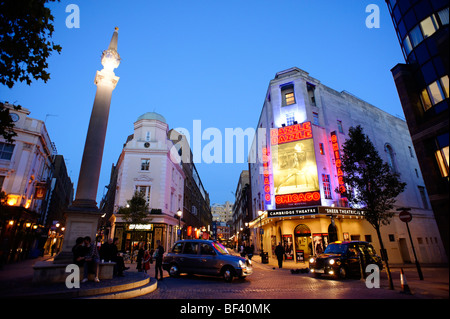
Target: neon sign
(266, 175)
(291, 133)
(290, 200)
(338, 163)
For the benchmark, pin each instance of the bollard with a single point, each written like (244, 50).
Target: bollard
(404, 283)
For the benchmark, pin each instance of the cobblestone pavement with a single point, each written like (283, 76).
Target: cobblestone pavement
(269, 283)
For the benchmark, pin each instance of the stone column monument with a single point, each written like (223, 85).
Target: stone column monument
(82, 217)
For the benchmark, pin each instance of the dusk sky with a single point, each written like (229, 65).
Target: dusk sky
(205, 60)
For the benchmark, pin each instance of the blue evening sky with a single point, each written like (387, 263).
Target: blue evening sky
(208, 60)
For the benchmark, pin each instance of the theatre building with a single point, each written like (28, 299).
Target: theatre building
(294, 167)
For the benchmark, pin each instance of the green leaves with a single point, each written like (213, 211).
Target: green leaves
(136, 209)
(372, 185)
(25, 41)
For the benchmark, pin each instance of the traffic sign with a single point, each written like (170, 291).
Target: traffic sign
(405, 216)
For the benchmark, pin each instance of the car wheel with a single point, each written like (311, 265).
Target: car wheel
(342, 273)
(174, 271)
(228, 274)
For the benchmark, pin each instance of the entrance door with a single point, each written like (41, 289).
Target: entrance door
(404, 250)
(303, 246)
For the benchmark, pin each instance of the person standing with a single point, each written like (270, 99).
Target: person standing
(158, 257)
(146, 261)
(119, 267)
(279, 252)
(140, 256)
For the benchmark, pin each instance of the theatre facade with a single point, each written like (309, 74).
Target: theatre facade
(295, 168)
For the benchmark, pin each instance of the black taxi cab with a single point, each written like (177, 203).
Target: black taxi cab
(342, 259)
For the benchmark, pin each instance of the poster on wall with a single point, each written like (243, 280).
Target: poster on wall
(300, 255)
(320, 242)
(295, 177)
(274, 244)
(288, 247)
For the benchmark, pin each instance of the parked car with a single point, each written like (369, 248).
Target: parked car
(205, 257)
(342, 259)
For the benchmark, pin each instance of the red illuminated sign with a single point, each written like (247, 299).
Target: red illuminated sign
(291, 133)
(290, 200)
(338, 163)
(266, 175)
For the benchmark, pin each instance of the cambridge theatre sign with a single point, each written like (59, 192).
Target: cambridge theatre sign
(320, 210)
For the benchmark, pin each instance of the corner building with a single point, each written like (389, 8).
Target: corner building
(294, 171)
(148, 164)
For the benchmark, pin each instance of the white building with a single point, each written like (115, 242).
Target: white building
(149, 165)
(222, 212)
(25, 166)
(306, 121)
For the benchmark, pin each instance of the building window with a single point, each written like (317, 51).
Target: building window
(391, 157)
(145, 190)
(6, 151)
(326, 186)
(407, 45)
(435, 93)
(145, 164)
(311, 88)
(410, 151)
(321, 149)
(429, 26)
(442, 144)
(416, 36)
(368, 238)
(391, 237)
(443, 16)
(423, 196)
(147, 137)
(340, 128)
(287, 93)
(417, 172)
(315, 118)
(290, 119)
(2, 179)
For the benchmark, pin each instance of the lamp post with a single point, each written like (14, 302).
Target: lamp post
(260, 212)
(179, 213)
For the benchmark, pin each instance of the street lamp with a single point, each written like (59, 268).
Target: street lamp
(260, 212)
(179, 213)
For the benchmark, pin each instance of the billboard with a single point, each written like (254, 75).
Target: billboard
(295, 177)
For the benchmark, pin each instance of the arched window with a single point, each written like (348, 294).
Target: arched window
(391, 157)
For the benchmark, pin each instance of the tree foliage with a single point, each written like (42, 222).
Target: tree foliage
(136, 209)
(26, 30)
(6, 123)
(372, 184)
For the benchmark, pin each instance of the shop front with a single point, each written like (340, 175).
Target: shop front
(306, 232)
(131, 236)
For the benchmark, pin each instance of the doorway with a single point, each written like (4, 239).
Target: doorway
(303, 245)
(404, 250)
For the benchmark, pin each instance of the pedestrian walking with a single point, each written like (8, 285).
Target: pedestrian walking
(279, 252)
(158, 257)
(146, 261)
(140, 256)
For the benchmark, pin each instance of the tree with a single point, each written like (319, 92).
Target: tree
(136, 209)
(371, 183)
(6, 123)
(26, 30)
